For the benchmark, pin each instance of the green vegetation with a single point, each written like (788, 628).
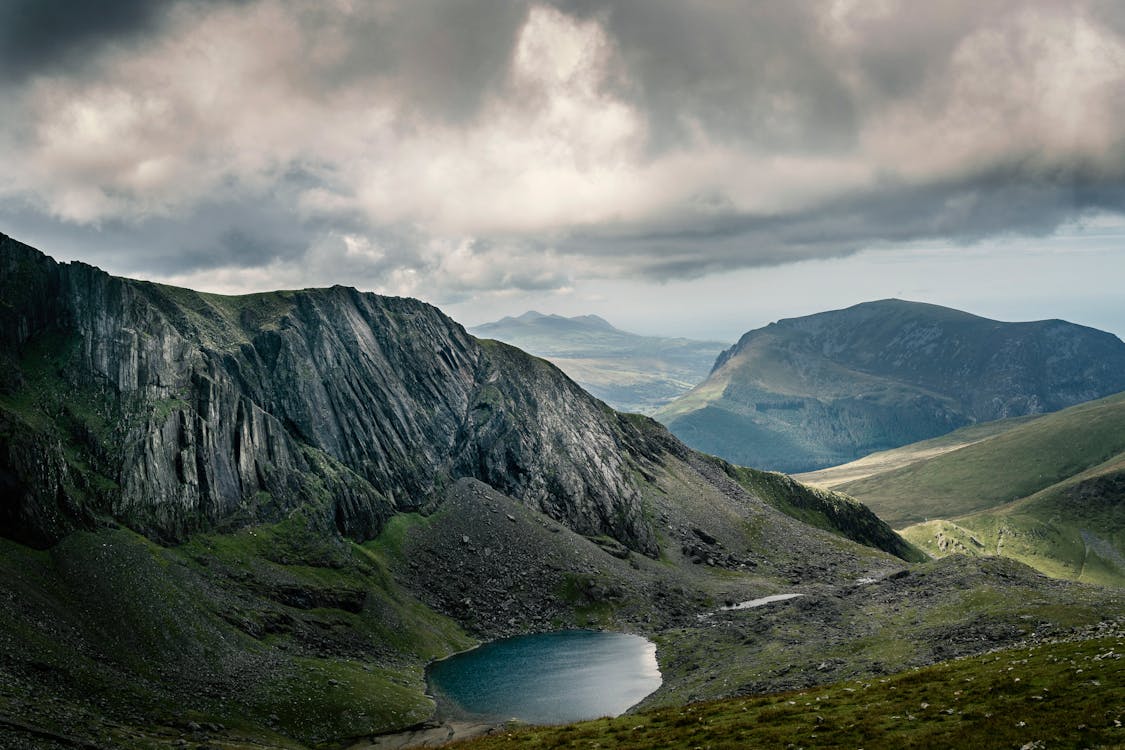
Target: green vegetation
(1069, 694)
(220, 321)
(824, 509)
(881, 462)
(275, 626)
(939, 610)
(1074, 529)
(1014, 464)
(1046, 491)
(580, 590)
(826, 389)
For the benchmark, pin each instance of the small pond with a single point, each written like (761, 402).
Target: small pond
(547, 678)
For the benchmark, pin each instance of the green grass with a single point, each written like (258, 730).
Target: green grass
(1012, 465)
(1063, 695)
(896, 458)
(824, 509)
(220, 321)
(1046, 491)
(1075, 529)
(230, 628)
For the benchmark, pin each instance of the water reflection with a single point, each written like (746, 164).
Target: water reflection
(548, 678)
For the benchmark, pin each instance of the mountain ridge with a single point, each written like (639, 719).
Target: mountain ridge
(232, 399)
(819, 390)
(254, 520)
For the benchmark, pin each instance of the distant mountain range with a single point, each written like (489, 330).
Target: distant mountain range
(628, 371)
(825, 389)
(1047, 491)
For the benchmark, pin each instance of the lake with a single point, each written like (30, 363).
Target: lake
(547, 678)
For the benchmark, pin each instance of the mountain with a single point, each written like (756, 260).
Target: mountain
(174, 411)
(804, 393)
(252, 521)
(1048, 491)
(629, 372)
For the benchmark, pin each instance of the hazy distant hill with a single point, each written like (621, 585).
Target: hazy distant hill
(825, 389)
(628, 371)
(1049, 491)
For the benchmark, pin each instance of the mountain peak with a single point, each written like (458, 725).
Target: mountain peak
(594, 321)
(823, 389)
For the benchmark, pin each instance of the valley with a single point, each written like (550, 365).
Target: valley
(1047, 491)
(631, 373)
(639, 374)
(252, 521)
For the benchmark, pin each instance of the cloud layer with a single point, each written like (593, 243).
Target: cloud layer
(452, 149)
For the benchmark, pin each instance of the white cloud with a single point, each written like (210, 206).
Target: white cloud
(552, 171)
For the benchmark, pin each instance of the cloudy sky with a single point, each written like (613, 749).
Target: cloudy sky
(691, 167)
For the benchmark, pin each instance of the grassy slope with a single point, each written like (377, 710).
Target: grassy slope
(269, 627)
(834, 477)
(1012, 465)
(1069, 694)
(1074, 529)
(824, 509)
(1046, 491)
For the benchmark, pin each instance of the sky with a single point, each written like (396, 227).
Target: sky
(682, 167)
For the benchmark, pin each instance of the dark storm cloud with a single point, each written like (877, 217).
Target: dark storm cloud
(461, 144)
(447, 55)
(1008, 198)
(38, 35)
(50, 36)
(754, 72)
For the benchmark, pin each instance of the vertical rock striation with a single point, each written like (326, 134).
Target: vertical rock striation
(172, 410)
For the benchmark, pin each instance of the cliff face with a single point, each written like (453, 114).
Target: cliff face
(172, 410)
(825, 389)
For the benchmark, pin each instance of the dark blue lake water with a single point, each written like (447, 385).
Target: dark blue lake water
(548, 678)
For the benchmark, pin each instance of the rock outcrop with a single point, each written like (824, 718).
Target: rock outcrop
(174, 410)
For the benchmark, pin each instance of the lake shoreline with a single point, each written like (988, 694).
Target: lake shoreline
(544, 678)
(429, 734)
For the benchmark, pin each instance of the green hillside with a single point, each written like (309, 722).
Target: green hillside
(882, 462)
(1012, 465)
(805, 393)
(1067, 694)
(1049, 492)
(630, 372)
(1074, 529)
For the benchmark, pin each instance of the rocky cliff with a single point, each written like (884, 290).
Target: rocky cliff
(172, 410)
(825, 389)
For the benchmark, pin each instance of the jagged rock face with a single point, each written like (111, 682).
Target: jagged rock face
(805, 393)
(187, 410)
